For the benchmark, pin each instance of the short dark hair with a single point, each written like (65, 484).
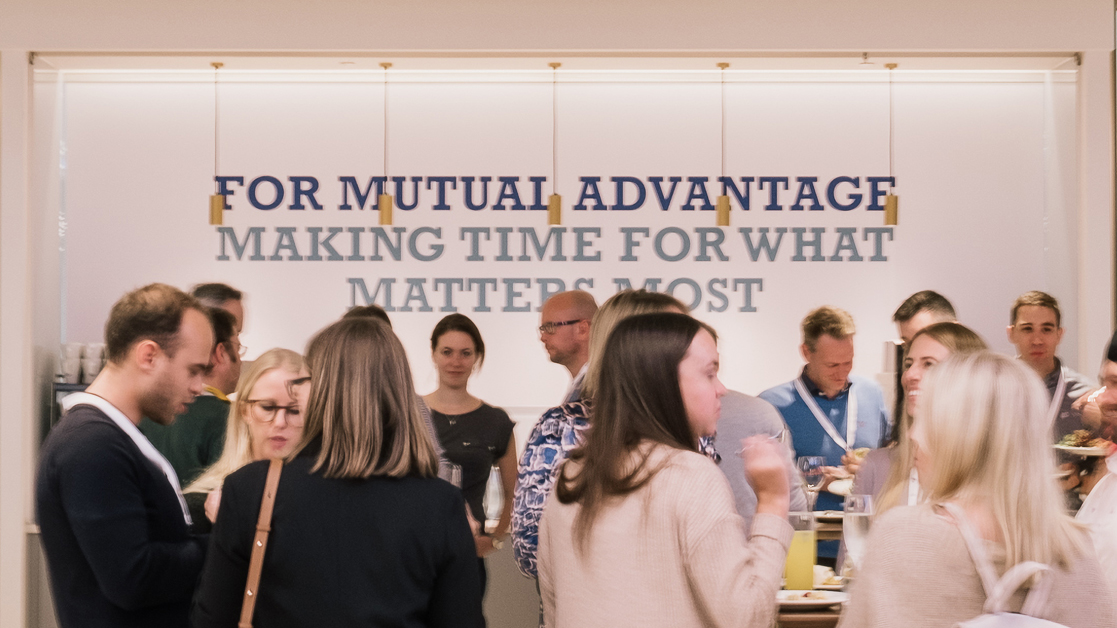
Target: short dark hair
(1038, 299)
(462, 323)
(224, 326)
(214, 294)
(153, 312)
(638, 399)
(924, 301)
(368, 311)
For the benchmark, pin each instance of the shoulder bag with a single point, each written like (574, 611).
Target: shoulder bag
(259, 544)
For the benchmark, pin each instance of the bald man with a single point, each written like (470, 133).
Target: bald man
(564, 330)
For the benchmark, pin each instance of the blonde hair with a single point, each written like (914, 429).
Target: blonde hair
(363, 404)
(986, 428)
(238, 444)
(617, 308)
(958, 340)
(827, 321)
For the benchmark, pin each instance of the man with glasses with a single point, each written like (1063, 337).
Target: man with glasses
(195, 439)
(1036, 331)
(115, 526)
(564, 330)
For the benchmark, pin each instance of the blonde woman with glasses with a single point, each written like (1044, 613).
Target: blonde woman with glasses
(982, 447)
(363, 533)
(264, 422)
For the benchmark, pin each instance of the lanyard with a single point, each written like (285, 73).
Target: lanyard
(134, 433)
(823, 420)
(1057, 400)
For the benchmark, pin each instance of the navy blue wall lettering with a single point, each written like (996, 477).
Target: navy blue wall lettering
(831, 193)
(303, 186)
(277, 187)
(664, 200)
(641, 193)
(537, 193)
(806, 192)
(350, 183)
(697, 192)
(875, 193)
(468, 182)
(441, 182)
(508, 191)
(590, 192)
(223, 187)
(742, 196)
(773, 191)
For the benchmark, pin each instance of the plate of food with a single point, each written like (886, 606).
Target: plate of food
(828, 516)
(810, 599)
(1083, 443)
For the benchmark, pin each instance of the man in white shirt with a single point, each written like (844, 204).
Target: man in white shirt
(564, 330)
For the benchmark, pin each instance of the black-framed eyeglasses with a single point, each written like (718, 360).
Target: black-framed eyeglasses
(549, 328)
(293, 385)
(265, 411)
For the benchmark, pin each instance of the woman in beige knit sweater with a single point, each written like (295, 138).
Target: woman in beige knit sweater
(982, 450)
(641, 529)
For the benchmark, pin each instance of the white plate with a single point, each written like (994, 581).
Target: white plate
(795, 599)
(828, 516)
(841, 488)
(1084, 451)
(830, 587)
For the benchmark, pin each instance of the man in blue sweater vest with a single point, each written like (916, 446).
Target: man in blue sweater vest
(818, 405)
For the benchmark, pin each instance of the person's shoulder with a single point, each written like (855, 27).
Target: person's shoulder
(1077, 383)
(494, 412)
(916, 529)
(85, 428)
(781, 395)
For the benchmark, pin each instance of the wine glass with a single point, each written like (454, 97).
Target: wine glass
(856, 520)
(810, 467)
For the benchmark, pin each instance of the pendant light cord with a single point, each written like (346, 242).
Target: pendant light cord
(216, 123)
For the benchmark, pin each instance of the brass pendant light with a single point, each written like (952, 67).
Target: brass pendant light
(385, 201)
(554, 202)
(723, 206)
(891, 201)
(216, 200)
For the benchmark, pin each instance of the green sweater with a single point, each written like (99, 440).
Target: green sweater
(194, 441)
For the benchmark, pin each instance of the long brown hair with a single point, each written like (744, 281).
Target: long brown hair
(956, 338)
(638, 399)
(363, 404)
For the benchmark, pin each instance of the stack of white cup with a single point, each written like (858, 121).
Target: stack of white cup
(93, 358)
(70, 366)
(81, 362)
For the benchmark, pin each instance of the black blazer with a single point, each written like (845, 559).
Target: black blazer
(377, 552)
(118, 550)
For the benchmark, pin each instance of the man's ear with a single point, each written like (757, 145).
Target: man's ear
(145, 354)
(220, 354)
(805, 351)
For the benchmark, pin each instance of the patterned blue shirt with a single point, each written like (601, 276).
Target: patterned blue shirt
(559, 431)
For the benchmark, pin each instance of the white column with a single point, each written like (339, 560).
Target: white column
(1096, 208)
(16, 411)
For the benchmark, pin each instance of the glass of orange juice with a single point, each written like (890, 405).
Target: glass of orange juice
(799, 570)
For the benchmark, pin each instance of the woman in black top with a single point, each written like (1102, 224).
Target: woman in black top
(474, 434)
(363, 532)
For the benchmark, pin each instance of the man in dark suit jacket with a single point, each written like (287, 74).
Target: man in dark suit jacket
(115, 527)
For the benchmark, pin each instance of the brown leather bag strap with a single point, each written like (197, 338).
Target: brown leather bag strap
(259, 544)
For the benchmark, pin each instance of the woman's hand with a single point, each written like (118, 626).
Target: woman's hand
(766, 471)
(852, 462)
(213, 502)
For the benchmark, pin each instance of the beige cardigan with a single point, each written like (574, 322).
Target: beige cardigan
(918, 574)
(672, 554)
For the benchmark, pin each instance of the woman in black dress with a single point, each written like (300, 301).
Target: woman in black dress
(475, 435)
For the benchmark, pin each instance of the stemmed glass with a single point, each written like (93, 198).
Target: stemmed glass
(810, 467)
(856, 519)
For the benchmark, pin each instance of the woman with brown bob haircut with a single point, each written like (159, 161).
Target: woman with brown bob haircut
(363, 532)
(642, 529)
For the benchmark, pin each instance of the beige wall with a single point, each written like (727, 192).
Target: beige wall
(410, 25)
(29, 288)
